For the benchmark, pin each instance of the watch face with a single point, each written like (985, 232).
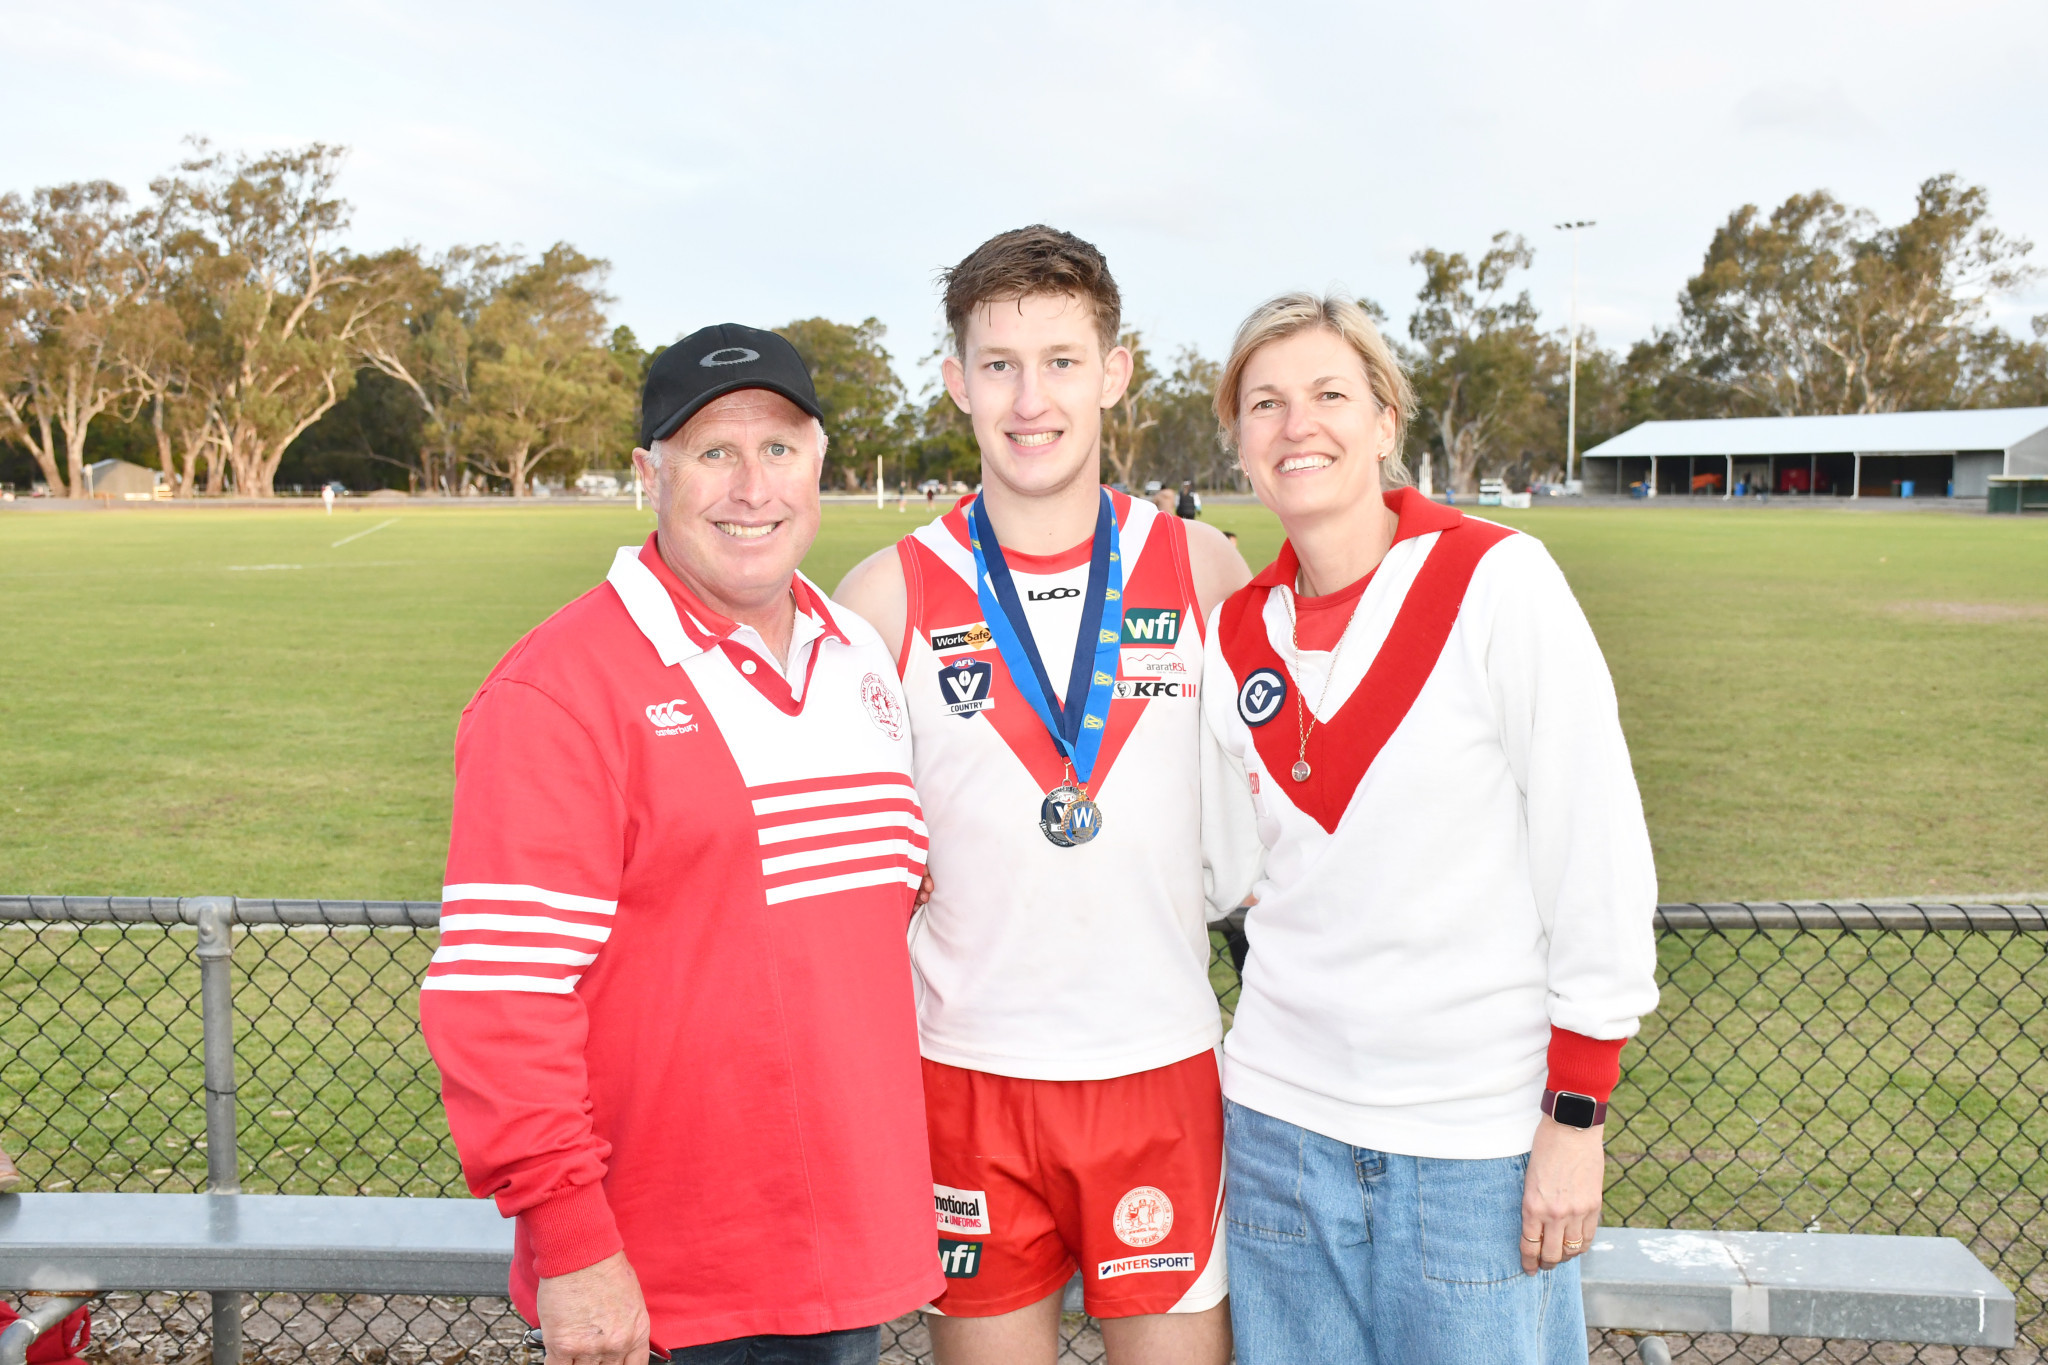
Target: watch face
(1574, 1111)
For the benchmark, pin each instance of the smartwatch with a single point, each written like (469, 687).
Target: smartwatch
(1574, 1110)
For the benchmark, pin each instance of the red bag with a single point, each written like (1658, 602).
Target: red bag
(62, 1344)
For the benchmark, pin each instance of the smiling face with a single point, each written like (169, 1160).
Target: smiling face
(1309, 431)
(736, 498)
(1033, 378)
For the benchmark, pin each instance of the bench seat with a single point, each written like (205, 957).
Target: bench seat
(302, 1244)
(1843, 1285)
(1796, 1284)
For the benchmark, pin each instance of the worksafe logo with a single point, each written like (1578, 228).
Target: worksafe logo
(959, 1260)
(975, 636)
(1151, 625)
(961, 1212)
(669, 717)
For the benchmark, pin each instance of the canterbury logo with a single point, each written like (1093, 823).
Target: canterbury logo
(669, 715)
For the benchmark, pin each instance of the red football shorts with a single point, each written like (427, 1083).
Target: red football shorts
(1124, 1176)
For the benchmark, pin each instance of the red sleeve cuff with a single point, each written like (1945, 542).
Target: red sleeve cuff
(570, 1231)
(1586, 1066)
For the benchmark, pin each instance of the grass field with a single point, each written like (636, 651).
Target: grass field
(1820, 703)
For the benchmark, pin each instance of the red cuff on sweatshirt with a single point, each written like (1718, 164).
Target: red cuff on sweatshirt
(570, 1231)
(1585, 1066)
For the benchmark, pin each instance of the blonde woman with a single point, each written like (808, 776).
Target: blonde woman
(1413, 761)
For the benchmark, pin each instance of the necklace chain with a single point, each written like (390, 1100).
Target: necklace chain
(1305, 718)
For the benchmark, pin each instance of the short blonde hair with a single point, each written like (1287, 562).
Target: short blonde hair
(1288, 314)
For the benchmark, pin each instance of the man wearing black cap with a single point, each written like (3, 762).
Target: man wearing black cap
(671, 1002)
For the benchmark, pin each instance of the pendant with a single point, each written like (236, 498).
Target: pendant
(1084, 821)
(1301, 770)
(1053, 811)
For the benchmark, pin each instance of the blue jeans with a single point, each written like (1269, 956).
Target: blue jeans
(1355, 1257)
(855, 1346)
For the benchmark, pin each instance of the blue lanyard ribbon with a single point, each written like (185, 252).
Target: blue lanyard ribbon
(1076, 722)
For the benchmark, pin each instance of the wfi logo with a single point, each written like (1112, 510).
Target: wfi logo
(669, 717)
(959, 1260)
(1151, 626)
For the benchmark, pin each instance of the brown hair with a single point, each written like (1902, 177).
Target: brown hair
(1027, 262)
(1339, 314)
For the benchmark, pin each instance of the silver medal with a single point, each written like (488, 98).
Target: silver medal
(1052, 814)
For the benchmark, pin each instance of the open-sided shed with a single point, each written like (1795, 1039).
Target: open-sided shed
(1873, 454)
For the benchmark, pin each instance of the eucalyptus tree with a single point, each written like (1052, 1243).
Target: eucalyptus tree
(73, 277)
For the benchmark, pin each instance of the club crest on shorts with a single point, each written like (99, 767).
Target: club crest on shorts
(1258, 701)
(881, 705)
(1143, 1217)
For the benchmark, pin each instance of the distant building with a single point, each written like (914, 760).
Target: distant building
(122, 481)
(1876, 454)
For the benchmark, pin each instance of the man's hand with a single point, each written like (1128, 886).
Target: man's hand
(1561, 1197)
(594, 1316)
(924, 893)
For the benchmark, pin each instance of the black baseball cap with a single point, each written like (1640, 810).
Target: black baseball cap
(712, 362)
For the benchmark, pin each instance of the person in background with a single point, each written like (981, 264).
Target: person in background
(1189, 506)
(672, 1003)
(1415, 766)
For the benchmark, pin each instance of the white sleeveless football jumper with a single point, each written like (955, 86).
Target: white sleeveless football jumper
(1032, 960)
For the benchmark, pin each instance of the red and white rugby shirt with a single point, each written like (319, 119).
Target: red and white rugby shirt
(1059, 964)
(1463, 886)
(672, 1002)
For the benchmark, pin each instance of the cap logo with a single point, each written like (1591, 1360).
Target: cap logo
(730, 355)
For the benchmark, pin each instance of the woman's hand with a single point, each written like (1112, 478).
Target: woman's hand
(924, 893)
(1561, 1197)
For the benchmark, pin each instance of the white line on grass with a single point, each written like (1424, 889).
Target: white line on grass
(360, 534)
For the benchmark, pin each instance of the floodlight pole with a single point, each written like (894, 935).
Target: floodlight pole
(1571, 418)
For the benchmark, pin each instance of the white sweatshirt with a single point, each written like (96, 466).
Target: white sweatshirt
(1488, 877)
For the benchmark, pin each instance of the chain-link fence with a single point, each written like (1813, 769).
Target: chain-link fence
(1840, 1068)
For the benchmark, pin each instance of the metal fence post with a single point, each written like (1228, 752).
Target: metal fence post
(223, 1157)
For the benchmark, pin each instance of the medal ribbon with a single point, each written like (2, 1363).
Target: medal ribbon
(1076, 723)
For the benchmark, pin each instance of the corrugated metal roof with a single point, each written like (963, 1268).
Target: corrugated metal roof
(1868, 432)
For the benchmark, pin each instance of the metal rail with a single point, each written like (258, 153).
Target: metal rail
(1894, 916)
(187, 910)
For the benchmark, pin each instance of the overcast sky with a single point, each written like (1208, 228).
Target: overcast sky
(758, 162)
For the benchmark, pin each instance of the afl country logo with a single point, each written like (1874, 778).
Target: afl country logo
(1144, 1217)
(881, 704)
(729, 355)
(1258, 701)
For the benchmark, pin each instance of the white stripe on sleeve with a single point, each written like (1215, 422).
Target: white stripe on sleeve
(498, 952)
(840, 824)
(527, 924)
(539, 895)
(841, 853)
(533, 985)
(845, 881)
(836, 796)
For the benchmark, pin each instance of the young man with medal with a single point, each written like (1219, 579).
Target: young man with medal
(1049, 634)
